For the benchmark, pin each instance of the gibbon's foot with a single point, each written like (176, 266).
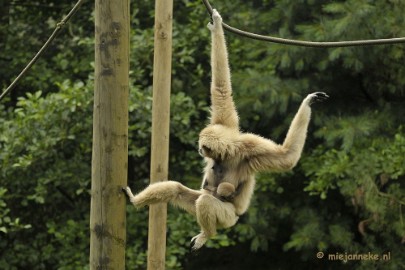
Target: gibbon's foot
(217, 20)
(199, 240)
(129, 194)
(316, 97)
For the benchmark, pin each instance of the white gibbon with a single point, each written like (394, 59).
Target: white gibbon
(232, 158)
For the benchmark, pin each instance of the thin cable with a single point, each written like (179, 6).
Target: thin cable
(367, 42)
(58, 27)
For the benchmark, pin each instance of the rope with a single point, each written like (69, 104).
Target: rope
(58, 27)
(367, 42)
(229, 28)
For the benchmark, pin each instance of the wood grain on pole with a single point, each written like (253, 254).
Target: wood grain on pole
(160, 129)
(110, 135)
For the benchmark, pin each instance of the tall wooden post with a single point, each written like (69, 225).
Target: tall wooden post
(160, 129)
(110, 135)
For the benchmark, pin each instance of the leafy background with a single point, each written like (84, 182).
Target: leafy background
(346, 195)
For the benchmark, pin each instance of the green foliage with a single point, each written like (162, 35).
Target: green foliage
(7, 224)
(45, 157)
(346, 195)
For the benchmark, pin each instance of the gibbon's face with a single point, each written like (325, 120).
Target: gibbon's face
(204, 151)
(218, 142)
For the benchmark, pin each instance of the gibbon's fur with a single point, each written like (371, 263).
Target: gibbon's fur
(232, 158)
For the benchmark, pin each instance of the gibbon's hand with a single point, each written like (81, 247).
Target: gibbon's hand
(217, 21)
(316, 97)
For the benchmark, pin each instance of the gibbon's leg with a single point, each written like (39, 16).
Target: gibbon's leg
(264, 154)
(167, 191)
(223, 107)
(212, 214)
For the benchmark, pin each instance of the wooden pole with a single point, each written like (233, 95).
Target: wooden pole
(160, 129)
(110, 135)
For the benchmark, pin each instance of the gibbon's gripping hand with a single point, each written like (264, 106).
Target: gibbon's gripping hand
(217, 21)
(316, 97)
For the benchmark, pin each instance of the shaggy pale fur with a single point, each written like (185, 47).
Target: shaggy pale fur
(225, 190)
(232, 158)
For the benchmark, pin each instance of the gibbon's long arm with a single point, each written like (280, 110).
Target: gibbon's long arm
(263, 154)
(223, 108)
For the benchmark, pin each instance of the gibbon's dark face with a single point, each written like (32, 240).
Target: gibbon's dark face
(200, 151)
(205, 152)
